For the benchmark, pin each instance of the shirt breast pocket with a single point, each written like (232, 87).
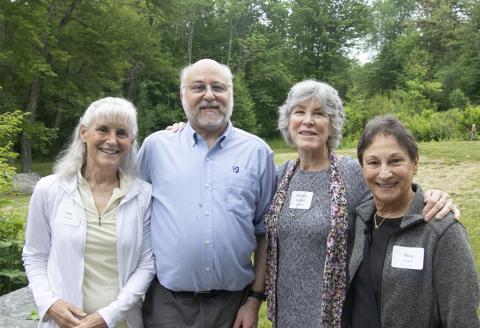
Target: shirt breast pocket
(241, 196)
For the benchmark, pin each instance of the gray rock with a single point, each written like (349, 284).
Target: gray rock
(16, 309)
(25, 182)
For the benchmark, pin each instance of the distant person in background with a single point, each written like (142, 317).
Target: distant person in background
(87, 251)
(405, 272)
(309, 226)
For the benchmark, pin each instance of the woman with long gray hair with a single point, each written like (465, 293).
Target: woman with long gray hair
(87, 252)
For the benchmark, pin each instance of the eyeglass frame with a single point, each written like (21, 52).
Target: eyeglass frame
(206, 85)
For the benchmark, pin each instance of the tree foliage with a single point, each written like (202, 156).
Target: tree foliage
(10, 126)
(12, 225)
(58, 56)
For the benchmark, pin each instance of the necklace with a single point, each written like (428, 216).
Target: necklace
(377, 226)
(376, 215)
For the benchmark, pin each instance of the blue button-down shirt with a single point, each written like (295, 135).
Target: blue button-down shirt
(208, 205)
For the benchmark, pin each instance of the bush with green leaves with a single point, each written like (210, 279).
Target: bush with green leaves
(425, 123)
(11, 222)
(12, 275)
(10, 126)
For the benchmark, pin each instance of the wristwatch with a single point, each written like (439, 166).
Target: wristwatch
(258, 295)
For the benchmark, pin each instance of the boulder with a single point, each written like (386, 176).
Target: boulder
(16, 309)
(25, 182)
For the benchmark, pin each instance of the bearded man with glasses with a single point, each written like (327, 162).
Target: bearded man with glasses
(212, 184)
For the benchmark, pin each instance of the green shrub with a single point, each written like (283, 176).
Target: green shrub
(11, 223)
(458, 99)
(420, 117)
(10, 126)
(12, 275)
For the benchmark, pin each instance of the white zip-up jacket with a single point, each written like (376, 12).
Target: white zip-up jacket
(54, 249)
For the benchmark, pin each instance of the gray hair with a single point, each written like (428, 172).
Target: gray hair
(109, 109)
(326, 95)
(387, 125)
(184, 72)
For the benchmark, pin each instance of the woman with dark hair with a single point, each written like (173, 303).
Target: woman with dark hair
(87, 249)
(405, 272)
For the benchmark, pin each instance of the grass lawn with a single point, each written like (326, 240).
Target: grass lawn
(452, 166)
(42, 168)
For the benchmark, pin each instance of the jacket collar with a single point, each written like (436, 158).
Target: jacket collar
(413, 215)
(70, 185)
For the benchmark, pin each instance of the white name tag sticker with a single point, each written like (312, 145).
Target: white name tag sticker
(301, 200)
(408, 257)
(65, 215)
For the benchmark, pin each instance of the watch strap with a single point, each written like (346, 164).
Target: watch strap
(258, 295)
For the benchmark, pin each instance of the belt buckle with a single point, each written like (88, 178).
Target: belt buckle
(205, 293)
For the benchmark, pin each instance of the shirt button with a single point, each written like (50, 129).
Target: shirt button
(207, 269)
(206, 186)
(207, 242)
(207, 158)
(207, 213)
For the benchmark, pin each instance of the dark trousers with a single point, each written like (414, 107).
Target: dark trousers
(164, 308)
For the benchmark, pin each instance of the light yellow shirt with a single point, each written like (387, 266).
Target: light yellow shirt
(100, 284)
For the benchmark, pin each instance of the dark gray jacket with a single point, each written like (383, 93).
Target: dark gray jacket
(445, 293)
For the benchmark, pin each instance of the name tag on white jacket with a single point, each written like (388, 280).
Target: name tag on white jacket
(407, 257)
(66, 215)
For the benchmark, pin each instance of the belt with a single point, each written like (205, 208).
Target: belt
(206, 293)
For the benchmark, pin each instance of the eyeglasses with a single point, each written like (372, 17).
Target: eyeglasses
(218, 88)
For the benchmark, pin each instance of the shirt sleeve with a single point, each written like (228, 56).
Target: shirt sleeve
(455, 279)
(357, 190)
(143, 160)
(36, 250)
(267, 190)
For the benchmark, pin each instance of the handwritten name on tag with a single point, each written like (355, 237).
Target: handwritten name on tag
(408, 257)
(65, 215)
(301, 200)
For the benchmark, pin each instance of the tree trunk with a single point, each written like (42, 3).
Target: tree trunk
(26, 153)
(230, 42)
(190, 41)
(35, 91)
(31, 107)
(58, 119)
(131, 87)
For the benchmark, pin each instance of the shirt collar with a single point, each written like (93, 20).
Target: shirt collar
(118, 192)
(194, 136)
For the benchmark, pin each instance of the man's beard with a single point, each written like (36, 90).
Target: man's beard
(212, 121)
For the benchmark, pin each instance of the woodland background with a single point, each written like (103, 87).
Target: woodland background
(419, 60)
(57, 56)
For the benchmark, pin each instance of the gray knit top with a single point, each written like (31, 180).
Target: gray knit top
(302, 238)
